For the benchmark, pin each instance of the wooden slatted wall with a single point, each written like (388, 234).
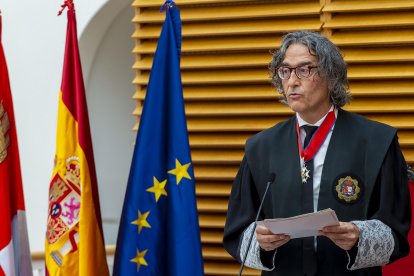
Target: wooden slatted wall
(377, 38)
(228, 97)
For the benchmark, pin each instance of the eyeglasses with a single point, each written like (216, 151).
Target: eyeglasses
(301, 72)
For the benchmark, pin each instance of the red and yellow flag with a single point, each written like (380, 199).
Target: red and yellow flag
(15, 256)
(74, 240)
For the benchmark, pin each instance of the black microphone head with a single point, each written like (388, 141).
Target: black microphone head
(272, 177)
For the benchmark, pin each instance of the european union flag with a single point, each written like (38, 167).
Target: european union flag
(159, 232)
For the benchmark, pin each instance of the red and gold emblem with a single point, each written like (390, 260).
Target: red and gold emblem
(348, 189)
(4, 136)
(64, 209)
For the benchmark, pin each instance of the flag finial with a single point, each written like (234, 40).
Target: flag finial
(167, 5)
(67, 4)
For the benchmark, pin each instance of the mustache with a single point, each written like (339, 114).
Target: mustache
(295, 90)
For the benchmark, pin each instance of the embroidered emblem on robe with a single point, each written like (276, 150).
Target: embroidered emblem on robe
(348, 189)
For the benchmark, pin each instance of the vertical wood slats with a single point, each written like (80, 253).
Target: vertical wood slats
(228, 97)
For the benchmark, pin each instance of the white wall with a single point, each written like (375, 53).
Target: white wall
(33, 38)
(110, 112)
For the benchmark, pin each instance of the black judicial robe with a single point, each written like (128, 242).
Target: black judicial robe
(362, 149)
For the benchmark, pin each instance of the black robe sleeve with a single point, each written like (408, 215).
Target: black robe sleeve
(243, 205)
(390, 204)
(393, 197)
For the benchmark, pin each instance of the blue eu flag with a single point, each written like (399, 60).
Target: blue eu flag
(159, 232)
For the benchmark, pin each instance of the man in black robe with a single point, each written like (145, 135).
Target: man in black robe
(351, 165)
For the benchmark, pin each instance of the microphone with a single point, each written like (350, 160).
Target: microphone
(270, 180)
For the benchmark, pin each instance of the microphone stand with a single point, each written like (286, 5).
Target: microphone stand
(272, 177)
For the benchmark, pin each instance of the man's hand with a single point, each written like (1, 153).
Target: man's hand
(269, 241)
(344, 235)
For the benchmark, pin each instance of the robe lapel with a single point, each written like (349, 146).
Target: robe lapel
(284, 161)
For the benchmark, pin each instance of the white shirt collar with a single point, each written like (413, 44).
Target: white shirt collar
(302, 122)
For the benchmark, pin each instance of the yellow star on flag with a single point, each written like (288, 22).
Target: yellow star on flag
(180, 171)
(139, 259)
(158, 189)
(141, 221)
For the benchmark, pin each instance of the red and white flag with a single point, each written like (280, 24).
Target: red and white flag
(15, 256)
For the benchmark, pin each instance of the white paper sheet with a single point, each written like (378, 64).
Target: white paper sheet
(305, 225)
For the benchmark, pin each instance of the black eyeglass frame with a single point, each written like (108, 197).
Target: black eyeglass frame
(300, 76)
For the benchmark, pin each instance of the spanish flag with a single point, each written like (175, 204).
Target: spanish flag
(15, 256)
(74, 239)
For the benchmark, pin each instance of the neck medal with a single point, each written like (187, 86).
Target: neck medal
(315, 143)
(304, 173)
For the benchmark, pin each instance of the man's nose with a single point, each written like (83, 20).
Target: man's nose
(293, 79)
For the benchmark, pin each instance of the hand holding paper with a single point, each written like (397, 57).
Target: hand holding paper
(303, 225)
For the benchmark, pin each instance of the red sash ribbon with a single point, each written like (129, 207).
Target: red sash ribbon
(318, 137)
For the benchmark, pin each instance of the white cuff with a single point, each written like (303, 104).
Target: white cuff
(375, 245)
(253, 257)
